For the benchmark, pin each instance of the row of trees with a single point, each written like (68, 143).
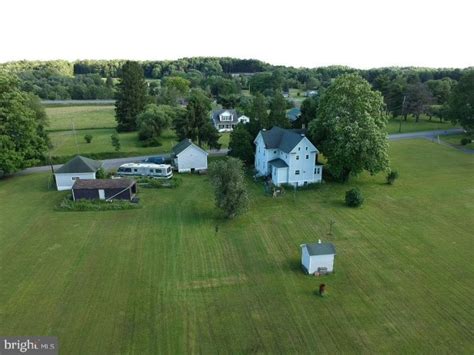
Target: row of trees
(137, 110)
(23, 139)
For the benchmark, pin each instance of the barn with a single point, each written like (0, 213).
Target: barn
(104, 189)
(77, 168)
(318, 257)
(188, 157)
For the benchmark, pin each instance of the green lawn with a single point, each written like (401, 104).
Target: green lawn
(161, 280)
(64, 143)
(456, 140)
(93, 116)
(423, 125)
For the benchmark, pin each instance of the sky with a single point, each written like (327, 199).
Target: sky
(300, 33)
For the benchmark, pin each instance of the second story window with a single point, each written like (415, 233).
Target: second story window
(307, 156)
(297, 157)
(297, 172)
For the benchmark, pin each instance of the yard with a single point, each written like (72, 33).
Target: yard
(164, 279)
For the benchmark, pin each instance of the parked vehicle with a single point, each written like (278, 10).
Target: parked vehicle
(156, 160)
(161, 171)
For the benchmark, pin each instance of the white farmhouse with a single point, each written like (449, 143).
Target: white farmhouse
(288, 156)
(318, 257)
(76, 168)
(188, 157)
(226, 119)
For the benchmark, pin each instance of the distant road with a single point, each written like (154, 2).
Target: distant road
(425, 134)
(77, 102)
(115, 163)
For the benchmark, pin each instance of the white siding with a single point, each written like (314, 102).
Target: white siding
(305, 259)
(65, 181)
(317, 261)
(191, 158)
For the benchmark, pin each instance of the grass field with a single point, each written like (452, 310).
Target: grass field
(84, 117)
(162, 280)
(410, 125)
(456, 140)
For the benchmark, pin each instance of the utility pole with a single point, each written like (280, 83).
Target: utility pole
(403, 111)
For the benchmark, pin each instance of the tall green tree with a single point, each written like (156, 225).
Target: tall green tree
(153, 121)
(309, 109)
(195, 123)
(418, 99)
(230, 190)
(241, 144)
(131, 96)
(258, 114)
(461, 102)
(277, 116)
(23, 140)
(349, 128)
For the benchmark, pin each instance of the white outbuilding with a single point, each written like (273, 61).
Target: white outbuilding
(188, 157)
(318, 257)
(76, 168)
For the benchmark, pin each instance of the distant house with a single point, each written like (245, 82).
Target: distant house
(318, 257)
(293, 114)
(104, 189)
(226, 119)
(188, 157)
(311, 93)
(288, 156)
(76, 168)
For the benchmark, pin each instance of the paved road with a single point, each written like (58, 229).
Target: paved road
(115, 163)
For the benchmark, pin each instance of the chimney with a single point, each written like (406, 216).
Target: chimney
(263, 129)
(302, 134)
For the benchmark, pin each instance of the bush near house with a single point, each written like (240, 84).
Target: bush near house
(88, 138)
(354, 197)
(466, 141)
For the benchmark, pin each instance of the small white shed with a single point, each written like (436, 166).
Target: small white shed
(76, 168)
(188, 157)
(317, 257)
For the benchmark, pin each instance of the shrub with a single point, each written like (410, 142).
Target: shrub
(392, 176)
(354, 197)
(101, 174)
(465, 141)
(88, 138)
(95, 205)
(159, 183)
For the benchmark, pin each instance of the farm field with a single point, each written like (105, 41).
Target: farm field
(61, 118)
(161, 279)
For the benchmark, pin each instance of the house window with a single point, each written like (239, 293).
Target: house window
(297, 172)
(316, 171)
(307, 156)
(299, 148)
(306, 148)
(297, 157)
(274, 152)
(75, 178)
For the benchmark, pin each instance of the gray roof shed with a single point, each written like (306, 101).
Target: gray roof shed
(321, 249)
(80, 164)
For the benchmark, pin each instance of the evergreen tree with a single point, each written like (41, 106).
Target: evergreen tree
(241, 144)
(277, 115)
(131, 97)
(258, 115)
(23, 139)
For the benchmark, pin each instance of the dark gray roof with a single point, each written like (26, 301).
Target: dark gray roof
(102, 184)
(278, 163)
(80, 164)
(321, 248)
(215, 115)
(178, 148)
(283, 139)
(181, 146)
(293, 114)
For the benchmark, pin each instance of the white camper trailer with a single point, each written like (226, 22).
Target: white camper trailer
(159, 171)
